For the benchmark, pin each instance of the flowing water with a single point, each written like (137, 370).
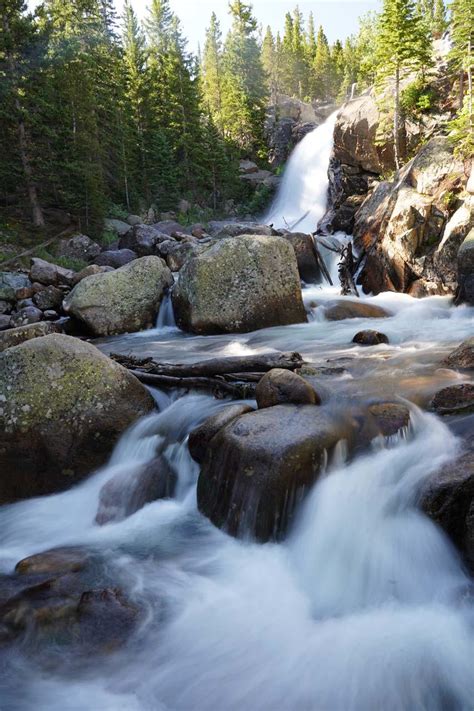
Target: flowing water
(364, 607)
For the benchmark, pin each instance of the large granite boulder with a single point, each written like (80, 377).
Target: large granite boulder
(63, 404)
(121, 301)
(259, 466)
(401, 224)
(221, 228)
(239, 285)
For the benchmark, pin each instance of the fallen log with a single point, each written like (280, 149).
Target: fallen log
(219, 387)
(215, 366)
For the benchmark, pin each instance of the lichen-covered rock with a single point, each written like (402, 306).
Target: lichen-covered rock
(258, 467)
(120, 227)
(25, 316)
(445, 258)
(124, 300)
(49, 298)
(63, 404)
(11, 283)
(15, 336)
(79, 247)
(465, 264)
(221, 228)
(280, 386)
(239, 285)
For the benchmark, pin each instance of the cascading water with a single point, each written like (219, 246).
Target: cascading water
(302, 198)
(365, 607)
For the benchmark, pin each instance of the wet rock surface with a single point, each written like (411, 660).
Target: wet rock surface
(129, 492)
(370, 338)
(448, 499)
(258, 467)
(63, 599)
(279, 386)
(462, 357)
(340, 310)
(454, 399)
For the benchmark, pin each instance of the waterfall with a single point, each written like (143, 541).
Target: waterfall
(302, 198)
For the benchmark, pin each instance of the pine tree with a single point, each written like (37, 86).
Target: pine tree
(402, 45)
(17, 34)
(270, 63)
(322, 68)
(211, 72)
(245, 92)
(440, 23)
(462, 53)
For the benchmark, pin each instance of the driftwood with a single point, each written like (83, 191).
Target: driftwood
(347, 269)
(320, 261)
(234, 377)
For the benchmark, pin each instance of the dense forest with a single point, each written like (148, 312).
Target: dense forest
(101, 114)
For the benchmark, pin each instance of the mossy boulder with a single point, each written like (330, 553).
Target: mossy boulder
(63, 405)
(122, 301)
(238, 285)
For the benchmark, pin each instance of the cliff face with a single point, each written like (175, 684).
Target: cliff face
(408, 227)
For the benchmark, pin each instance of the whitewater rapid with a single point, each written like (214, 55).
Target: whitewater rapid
(365, 607)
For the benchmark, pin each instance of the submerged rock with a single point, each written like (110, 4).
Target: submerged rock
(370, 338)
(124, 300)
(259, 466)
(279, 386)
(63, 404)
(448, 499)
(127, 493)
(239, 285)
(340, 310)
(63, 598)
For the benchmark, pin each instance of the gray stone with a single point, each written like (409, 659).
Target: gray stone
(116, 258)
(50, 274)
(120, 227)
(63, 406)
(121, 301)
(30, 314)
(239, 285)
(11, 283)
(79, 247)
(20, 334)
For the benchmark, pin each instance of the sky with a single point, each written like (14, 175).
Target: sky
(339, 18)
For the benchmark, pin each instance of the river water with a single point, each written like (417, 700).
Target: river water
(364, 607)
